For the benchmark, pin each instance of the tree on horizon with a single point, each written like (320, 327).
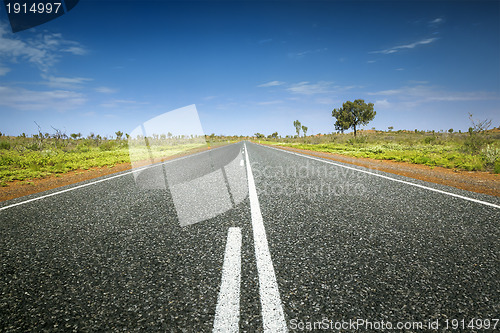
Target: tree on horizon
(353, 114)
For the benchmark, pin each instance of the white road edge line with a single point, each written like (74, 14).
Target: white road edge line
(109, 178)
(227, 313)
(273, 317)
(389, 178)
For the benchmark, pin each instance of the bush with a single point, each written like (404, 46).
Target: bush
(474, 143)
(83, 148)
(356, 140)
(430, 140)
(32, 146)
(491, 154)
(476, 139)
(496, 169)
(4, 145)
(108, 146)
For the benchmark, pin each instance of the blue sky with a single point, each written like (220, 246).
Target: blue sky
(252, 66)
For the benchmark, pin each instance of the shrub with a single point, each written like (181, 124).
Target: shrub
(491, 154)
(32, 146)
(476, 139)
(496, 169)
(376, 149)
(83, 148)
(474, 143)
(107, 146)
(356, 140)
(430, 140)
(4, 145)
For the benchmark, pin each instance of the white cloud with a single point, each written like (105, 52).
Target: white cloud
(121, 102)
(407, 46)
(386, 92)
(321, 87)
(65, 82)
(436, 22)
(76, 50)
(300, 55)
(128, 101)
(270, 102)
(12, 49)
(424, 94)
(105, 90)
(468, 96)
(418, 82)
(382, 103)
(306, 88)
(43, 51)
(31, 100)
(326, 101)
(4, 70)
(271, 84)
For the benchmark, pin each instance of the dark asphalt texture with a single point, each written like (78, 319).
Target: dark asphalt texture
(113, 256)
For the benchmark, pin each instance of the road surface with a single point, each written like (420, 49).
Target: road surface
(249, 238)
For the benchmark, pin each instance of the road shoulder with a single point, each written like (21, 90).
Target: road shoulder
(19, 189)
(474, 181)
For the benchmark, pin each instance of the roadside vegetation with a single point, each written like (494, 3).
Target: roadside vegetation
(475, 150)
(27, 157)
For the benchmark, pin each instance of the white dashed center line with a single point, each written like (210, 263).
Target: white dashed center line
(227, 313)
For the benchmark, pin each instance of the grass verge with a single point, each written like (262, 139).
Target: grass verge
(446, 150)
(21, 161)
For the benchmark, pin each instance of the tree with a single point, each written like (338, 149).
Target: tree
(450, 130)
(274, 135)
(390, 128)
(259, 135)
(119, 135)
(353, 114)
(343, 119)
(297, 125)
(304, 129)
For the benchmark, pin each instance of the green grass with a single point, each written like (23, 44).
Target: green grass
(25, 158)
(21, 159)
(436, 149)
(16, 165)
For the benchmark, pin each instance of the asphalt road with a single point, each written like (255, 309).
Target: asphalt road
(283, 242)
